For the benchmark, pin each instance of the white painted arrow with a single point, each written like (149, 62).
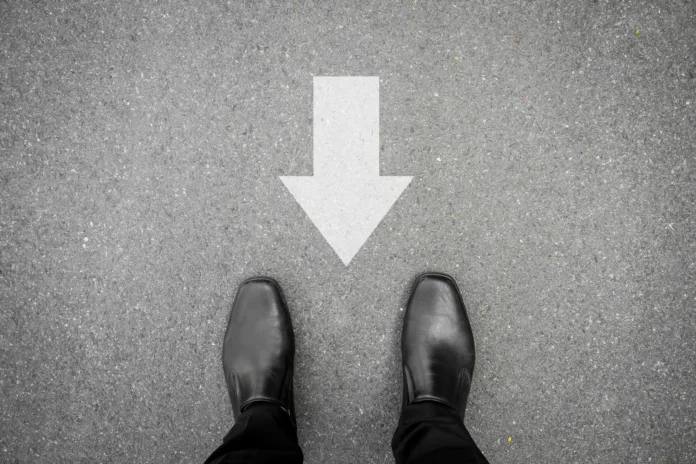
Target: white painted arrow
(346, 198)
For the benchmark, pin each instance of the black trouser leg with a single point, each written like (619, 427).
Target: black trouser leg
(432, 433)
(263, 434)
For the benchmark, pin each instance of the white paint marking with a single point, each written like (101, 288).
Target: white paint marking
(346, 198)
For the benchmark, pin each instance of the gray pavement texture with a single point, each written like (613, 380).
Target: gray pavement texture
(552, 148)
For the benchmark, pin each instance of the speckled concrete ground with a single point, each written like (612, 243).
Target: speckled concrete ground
(552, 148)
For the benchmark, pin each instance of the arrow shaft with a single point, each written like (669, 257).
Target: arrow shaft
(346, 126)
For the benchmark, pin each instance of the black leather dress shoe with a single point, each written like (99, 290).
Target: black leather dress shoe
(259, 348)
(437, 345)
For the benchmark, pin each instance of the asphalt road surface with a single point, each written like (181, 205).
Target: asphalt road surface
(552, 148)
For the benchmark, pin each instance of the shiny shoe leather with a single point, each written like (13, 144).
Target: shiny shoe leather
(437, 344)
(259, 348)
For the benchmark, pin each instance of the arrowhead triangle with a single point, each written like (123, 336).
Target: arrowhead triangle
(346, 210)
